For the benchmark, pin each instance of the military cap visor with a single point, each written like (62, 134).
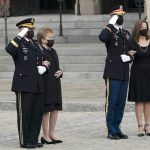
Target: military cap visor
(29, 23)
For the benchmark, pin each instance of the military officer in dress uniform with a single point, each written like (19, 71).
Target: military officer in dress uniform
(116, 73)
(27, 83)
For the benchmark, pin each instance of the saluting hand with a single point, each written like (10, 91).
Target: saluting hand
(58, 73)
(23, 32)
(113, 19)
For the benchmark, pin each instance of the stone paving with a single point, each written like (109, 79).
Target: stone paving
(78, 95)
(79, 131)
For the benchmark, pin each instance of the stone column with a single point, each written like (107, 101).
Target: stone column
(2, 3)
(89, 7)
(147, 9)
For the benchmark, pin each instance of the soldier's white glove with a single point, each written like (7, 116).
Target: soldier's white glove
(125, 58)
(23, 32)
(113, 19)
(41, 69)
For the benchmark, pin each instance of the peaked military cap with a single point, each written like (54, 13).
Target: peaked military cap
(117, 10)
(29, 23)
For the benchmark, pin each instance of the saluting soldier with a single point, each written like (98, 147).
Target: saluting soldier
(27, 83)
(116, 73)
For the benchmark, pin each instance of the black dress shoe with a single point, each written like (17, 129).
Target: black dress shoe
(39, 145)
(43, 141)
(148, 134)
(113, 137)
(140, 134)
(56, 141)
(122, 136)
(28, 146)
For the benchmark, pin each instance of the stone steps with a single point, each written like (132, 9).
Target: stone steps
(65, 67)
(76, 59)
(74, 49)
(81, 54)
(67, 75)
(75, 28)
(66, 32)
(46, 18)
(78, 95)
(73, 90)
(73, 106)
(65, 60)
(67, 39)
(68, 25)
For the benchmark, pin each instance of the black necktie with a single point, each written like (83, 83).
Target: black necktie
(120, 30)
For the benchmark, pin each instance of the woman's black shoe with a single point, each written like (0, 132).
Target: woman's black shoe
(140, 134)
(146, 126)
(43, 141)
(56, 141)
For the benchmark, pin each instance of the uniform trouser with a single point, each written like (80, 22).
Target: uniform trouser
(29, 116)
(116, 91)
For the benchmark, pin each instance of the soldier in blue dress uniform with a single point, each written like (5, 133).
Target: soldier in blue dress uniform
(116, 72)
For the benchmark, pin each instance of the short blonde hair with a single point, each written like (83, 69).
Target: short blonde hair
(42, 33)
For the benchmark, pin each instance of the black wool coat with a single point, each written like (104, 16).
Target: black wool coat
(52, 85)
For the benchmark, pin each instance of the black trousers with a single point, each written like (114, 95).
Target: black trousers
(29, 116)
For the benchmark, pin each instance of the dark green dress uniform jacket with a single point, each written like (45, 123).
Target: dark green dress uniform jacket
(117, 43)
(27, 56)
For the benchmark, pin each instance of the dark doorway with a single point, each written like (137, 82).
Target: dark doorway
(18, 7)
(133, 5)
(108, 4)
(52, 6)
(46, 5)
(128, 5)
(27, 7)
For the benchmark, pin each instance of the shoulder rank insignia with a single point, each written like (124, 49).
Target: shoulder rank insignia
(14, 43)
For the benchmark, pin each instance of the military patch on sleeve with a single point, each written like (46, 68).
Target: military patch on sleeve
(128, 36)
(14, 43)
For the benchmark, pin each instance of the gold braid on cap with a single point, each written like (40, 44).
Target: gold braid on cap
(28, 25)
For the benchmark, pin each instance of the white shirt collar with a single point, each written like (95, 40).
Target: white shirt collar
(117, 27)
(26, 39)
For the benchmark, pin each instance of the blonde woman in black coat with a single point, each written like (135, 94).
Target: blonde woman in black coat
(52, 85)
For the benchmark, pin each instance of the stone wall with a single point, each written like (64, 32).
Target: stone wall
(89, 7)
(147, 9)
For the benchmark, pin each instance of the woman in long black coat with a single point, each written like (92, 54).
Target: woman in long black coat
(53, 97)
